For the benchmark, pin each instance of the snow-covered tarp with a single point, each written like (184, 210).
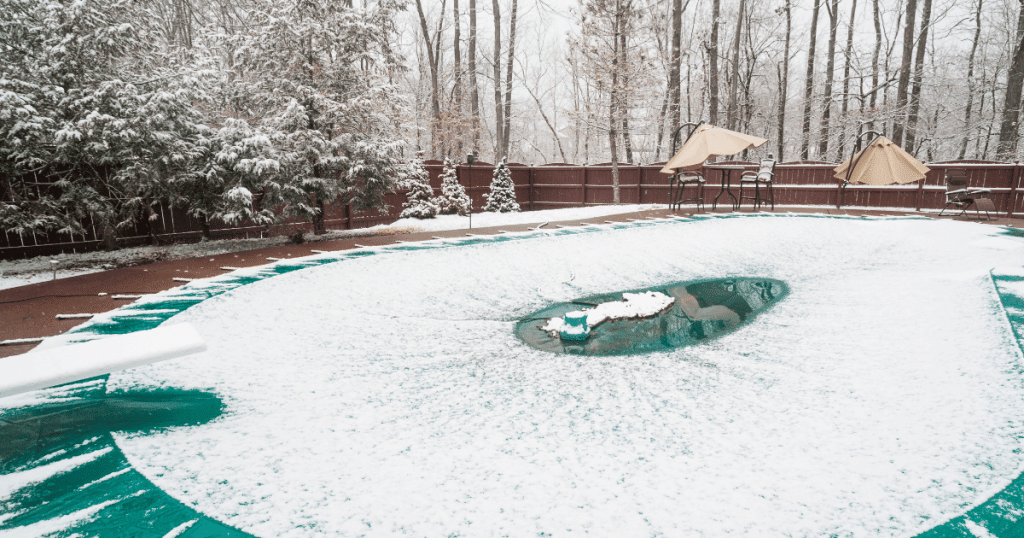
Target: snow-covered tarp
(387, 394)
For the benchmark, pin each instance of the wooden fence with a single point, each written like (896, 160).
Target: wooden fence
(568, 185)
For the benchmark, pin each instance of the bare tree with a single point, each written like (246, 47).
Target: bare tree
(874, 57)
(1011, 104)
(457, 90)
(474, 95)
(506, 130)
(970, 81)
(830, 66)
(915, 92)
(841, 149)
(805, 140)
(784, 79)
(674, 86)
(613, 113)
(904, 81)
(499, 110)
(731, 111)
(712, 49)
(433, 56)
(551, 126)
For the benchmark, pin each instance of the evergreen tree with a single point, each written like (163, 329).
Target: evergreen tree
(320, 76)
(453, 198)
(502, 198)
(92, 108)
(420, 205)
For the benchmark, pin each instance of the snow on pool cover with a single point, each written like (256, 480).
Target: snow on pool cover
(388, 395)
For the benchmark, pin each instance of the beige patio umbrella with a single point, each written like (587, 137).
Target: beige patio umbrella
(881, 163)
(709, 141)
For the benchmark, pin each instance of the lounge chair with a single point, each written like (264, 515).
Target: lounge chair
(680, 181)
(765, 175)
(962, 197)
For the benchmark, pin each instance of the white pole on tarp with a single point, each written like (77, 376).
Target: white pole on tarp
(66, 364)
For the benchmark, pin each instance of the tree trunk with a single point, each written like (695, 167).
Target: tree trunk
(981, 112)
(784, 80)
(435, 97)
(988, 130)
(474, 95)
(204, 225)
(110, 235)
(841, 150)
(830, 66)
(624, 105)
(915, 92)
(805, 141)
(713, 64)
(587, 125)
(661, 129)
(970, 82)
(1011, 105)
(613, 103)
(457, 90)
(904, 81)
(551, 126)
(674, 86)
(874, 60)
(506, 134)
(499, 111)
(319, 227)
(732, 115)
(689, 109)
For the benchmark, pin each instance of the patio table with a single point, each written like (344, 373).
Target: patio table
(726, 171)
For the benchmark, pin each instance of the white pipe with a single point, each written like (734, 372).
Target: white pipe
(66, 364)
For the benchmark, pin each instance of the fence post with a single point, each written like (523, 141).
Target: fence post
(920, 193)
(584, 176)
(639, 188)
(529, 187)
(1011, 200)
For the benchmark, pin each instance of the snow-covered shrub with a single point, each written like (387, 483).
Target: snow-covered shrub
(420, 204)
(502, 198)
(94, 103)
(453, 198)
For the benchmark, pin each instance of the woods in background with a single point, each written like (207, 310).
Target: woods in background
(257, 109)
(942, 78)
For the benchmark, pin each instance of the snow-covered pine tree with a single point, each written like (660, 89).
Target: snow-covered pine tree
(453, 198)
(502, 198)
(319, 75)
(90, 105)
(420, 204)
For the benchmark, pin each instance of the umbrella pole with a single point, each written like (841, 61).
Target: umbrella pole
(854, 159)
(674, 180)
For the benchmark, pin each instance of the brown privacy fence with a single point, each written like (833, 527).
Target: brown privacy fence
(568, 185)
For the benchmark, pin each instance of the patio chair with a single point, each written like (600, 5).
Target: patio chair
(962, 197)
(765, 175)
(679, 182)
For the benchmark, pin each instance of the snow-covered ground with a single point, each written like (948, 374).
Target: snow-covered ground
(15, 273)
(387, 395)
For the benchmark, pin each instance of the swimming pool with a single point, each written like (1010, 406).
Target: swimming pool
(388, 394)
